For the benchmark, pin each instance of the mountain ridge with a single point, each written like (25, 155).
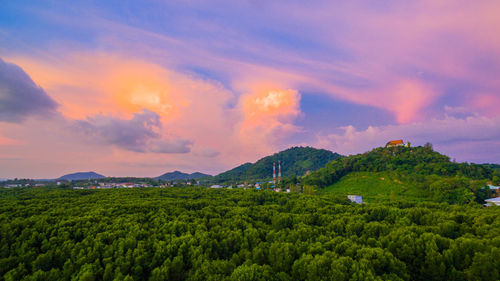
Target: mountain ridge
(178, 175)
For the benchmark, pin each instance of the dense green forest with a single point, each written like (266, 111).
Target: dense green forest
(296, 162)
(206, 234)
(495, 167)
(426, 173)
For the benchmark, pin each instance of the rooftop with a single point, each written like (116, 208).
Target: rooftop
(393, 142)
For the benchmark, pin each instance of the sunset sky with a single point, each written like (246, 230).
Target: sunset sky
(140, 88)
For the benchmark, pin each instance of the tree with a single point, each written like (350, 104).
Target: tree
(429, 145)
(252, 272)
(495, 180)
(308, 189)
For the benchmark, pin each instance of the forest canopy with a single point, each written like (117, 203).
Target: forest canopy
(220, 234)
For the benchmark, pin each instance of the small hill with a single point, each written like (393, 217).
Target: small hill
(177, 175)
(295, 162)
(412, 173)
(81, 176)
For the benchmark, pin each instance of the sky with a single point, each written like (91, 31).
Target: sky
(140, 88)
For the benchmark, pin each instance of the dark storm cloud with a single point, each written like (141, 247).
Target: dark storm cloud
(20, 97)
(138, 134)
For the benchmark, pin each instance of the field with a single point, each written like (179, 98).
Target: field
(376, 187)
(205, 234)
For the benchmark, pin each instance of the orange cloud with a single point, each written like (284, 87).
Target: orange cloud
(8, 141)
(268, 116)
(87, 84)
(190, 108)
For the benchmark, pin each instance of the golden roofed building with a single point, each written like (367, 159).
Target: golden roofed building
(395, 143)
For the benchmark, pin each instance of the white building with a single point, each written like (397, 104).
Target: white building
(493, 201)
(493, 187)
(355, 198)
(216, 186)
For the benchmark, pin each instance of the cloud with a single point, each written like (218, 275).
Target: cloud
(176, 145)
(20, 97)
(138, 134)
(205, 77)
(209, 152)
(270, 110)
(268, 116)
(463, 138)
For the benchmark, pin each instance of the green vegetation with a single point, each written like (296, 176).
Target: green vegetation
(376, 187)
(421, 171)
(296, 162)
(495, 167)
(206, 234)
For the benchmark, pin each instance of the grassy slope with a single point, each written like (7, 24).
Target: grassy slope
(375, 186)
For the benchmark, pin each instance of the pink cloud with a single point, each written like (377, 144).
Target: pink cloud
(487, 104)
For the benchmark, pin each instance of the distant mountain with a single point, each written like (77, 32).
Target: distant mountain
(81, 176)
(295, 161)
(177, 175)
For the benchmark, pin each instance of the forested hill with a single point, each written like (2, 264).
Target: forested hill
(295, 161)
(419, 168)
(177, 175)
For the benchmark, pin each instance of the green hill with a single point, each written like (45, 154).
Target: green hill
(295, 162)
(416, 173)
(376, 187)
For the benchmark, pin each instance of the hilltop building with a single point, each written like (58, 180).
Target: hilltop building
(395, 143)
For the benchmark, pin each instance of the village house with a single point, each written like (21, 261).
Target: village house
(355, 198)
(492, 202)
(495, 189)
